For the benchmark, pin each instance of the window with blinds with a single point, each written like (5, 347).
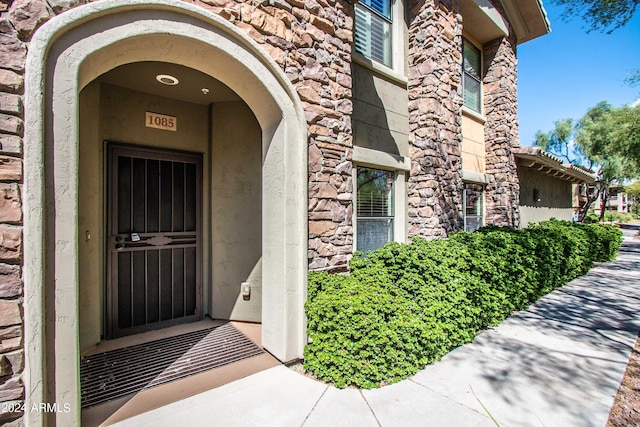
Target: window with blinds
(375, 216)
(373, 30)
(473, 206)
(472, 76)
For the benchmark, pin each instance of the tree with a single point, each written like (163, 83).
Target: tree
(600, 15)
(633, 191)
(560, 141)
(616, 131)
(625, 134)
(599, 140)
(595, 136)
(634, 78)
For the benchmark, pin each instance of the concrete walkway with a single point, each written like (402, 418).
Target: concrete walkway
(559, 363)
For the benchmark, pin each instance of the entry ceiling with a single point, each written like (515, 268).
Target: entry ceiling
(141, 76)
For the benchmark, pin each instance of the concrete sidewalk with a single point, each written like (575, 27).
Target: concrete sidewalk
(559, 363)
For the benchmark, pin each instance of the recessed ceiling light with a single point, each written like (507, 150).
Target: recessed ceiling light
(205, 91)
(166, 79)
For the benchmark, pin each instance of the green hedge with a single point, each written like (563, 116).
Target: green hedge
(406, 305)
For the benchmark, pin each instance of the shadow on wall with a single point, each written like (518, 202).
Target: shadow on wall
(374, 110)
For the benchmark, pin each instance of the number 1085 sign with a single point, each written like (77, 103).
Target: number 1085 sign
(160, 121)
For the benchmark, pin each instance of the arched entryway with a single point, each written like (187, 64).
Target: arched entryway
(64, 105)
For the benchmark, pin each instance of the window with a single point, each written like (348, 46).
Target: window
(375, 216)
(373, 30)
(473, 206)
(471, 76)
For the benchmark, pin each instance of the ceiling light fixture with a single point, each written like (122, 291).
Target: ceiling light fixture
(166, 79)
(205, 91)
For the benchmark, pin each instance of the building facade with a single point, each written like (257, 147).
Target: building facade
(549, 188)
(617, 201)
(215, 151)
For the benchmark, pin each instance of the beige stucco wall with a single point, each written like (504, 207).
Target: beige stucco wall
(91, 253)
(473, 146)
(380, 115)
(532, 215)
(236, 207)
(556, 197)
(122, 119)
(231, 195)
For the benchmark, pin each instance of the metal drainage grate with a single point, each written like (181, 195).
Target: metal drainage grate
(117, 373)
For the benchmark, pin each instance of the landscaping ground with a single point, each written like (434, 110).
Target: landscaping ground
(626, 408)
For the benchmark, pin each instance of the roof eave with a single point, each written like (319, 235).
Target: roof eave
(528, 18)
(550, 164)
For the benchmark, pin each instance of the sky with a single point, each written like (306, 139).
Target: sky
(564, 73)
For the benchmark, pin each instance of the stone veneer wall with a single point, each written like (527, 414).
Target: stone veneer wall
(13, 50)
(435, 136)
(501, 131)
(310, 39)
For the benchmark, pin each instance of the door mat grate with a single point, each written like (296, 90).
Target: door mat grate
(117, 373)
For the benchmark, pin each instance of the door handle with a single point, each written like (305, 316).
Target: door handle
(119, 245)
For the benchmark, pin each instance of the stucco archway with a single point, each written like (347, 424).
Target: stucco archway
(66, 54)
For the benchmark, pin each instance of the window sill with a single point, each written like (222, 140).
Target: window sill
(477, 177)
(481, 118)
(379, 68)
(380, 159)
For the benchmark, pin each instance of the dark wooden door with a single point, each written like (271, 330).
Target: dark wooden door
(154, 239)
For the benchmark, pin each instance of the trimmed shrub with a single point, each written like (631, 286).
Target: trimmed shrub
(361, 334)
(503, 258)
(406, 305)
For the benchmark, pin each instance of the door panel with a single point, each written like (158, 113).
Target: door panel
(155, 235)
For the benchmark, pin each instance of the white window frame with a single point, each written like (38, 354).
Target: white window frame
(382, 218)
(374, 159)
(388, 21)
(464, 206)
(479, 108)
(397, 70)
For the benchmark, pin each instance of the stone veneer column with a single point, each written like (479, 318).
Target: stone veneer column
(501, 131)
(322, 75)
(435, 136)
(311, 40)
